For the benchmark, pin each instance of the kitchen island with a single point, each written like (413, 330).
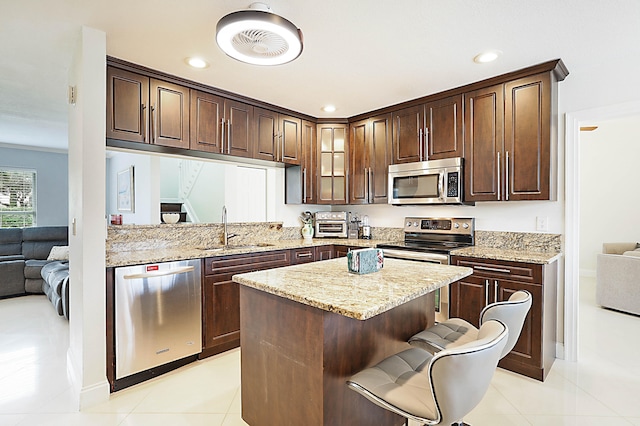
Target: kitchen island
(305, 329)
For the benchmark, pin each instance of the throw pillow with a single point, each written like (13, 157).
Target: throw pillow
(59, 253)
(634, 253)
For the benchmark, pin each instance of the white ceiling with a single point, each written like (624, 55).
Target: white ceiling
(358, 54)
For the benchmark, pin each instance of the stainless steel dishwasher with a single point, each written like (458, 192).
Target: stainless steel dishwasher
(157, 314)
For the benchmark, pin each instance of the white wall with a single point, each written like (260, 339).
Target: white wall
(490, 216)
(609, 201)
(208, 194)
(52, 192)
(146, 204)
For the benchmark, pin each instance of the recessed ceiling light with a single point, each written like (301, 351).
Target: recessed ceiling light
(258, 36)
(329, 108)
(197, 62)
(488, 56)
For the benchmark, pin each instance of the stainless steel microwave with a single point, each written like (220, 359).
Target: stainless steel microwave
(427, 182)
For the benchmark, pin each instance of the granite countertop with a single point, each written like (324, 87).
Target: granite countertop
(512, 255)
(328, 285)
(139, 257)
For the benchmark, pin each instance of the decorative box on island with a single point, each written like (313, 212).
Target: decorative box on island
(365, 261)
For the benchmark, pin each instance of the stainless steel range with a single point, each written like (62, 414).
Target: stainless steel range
(428, 239)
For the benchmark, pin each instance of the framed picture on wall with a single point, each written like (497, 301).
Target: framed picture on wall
(126, 191)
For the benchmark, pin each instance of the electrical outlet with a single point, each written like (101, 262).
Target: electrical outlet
(542, 223)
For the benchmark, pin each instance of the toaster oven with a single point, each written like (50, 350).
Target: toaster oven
(332, 224)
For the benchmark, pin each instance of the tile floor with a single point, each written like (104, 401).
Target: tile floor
(602, 388)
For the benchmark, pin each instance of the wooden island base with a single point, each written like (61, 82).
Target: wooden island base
(296, 359)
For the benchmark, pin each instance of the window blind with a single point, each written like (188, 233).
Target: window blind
(17, 198)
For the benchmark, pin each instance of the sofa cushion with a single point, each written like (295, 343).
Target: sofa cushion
(59, 253)
(55, 285)
(11, 257)
(37, 241)
(33, 268)
(12, 277)
(10, 241)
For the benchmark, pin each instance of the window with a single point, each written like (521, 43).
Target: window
(17, 198)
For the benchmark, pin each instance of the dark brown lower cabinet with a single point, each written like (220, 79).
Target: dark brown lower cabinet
(493, 280)
(341, 251)
(303, 255)
(324, 252)
(221, 297)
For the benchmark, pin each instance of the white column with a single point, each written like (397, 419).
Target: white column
(86, 357)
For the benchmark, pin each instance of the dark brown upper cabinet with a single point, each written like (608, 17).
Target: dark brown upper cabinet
(308, 163)
(408, 135)
(169, 121)
(508, 141)
(527, 138)
(444, 131)
(429, 132)
(127, 105)
(207, 115)
(278, 137)
(484, 118)
(238, 129)
(332, 163)
(142, 109)
(369, 153)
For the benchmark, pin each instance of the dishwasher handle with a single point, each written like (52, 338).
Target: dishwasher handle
(154, 274)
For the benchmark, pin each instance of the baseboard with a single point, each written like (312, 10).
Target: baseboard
(559, 350)
(85, 396)
(94, 394)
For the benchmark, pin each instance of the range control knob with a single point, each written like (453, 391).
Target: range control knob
(465, 225)
(415, 224)
(456, 225)
(408, 224)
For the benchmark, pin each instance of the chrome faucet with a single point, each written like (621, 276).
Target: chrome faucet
(226, 236)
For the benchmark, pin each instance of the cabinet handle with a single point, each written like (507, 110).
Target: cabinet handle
(495, 291)
(152, 125)
(486, 268)
(486, 292)
(222, 136)
(498, 162)
(229, 136)
(366, 185)
(426, 144)
(370, 185)
(421, 146)
(143, 122)
(304, 185)
(281, 147)
(506, 175)
(304, 254)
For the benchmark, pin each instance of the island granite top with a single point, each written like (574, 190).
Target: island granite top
(329, 286)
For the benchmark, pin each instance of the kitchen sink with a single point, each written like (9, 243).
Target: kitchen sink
(236, 247)
(247, 246)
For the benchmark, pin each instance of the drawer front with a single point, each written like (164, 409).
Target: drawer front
(525, 272)
(303, 255)
(240, 263)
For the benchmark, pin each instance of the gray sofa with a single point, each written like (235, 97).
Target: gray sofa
(618, 277)
(23, 253)
(56, 286)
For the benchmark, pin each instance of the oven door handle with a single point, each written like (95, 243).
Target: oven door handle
(411, 255)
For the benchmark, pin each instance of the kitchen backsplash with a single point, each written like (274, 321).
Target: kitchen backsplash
(149, 237)
(519, 241)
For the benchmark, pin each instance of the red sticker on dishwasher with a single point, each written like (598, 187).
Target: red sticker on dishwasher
(152, 268)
